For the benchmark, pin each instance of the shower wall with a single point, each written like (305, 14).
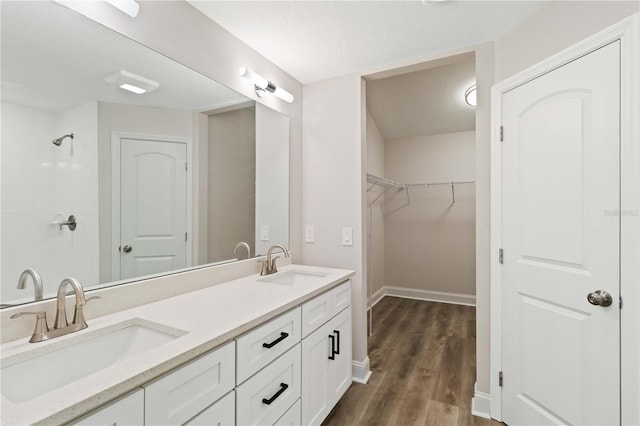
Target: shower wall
(42, 184)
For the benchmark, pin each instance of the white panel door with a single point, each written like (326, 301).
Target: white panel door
(561, 237)
(153, 213)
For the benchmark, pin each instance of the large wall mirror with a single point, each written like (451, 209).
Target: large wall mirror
(120, 163)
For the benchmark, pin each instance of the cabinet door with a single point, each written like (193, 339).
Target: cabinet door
(340, 368)
(316, 349)
(186, 391)
(222, 413)
(127, 411)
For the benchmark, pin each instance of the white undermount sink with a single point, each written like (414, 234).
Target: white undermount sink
(294, 277)
(45, 368)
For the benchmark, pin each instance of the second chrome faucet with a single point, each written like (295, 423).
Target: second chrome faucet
(268, 266)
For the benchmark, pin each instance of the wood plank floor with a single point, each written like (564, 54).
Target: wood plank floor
(423, 362)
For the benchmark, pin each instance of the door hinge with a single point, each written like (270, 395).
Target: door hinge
(500, 378)
(185, 236)
(501, 256)
(501, 134)
(186, 166)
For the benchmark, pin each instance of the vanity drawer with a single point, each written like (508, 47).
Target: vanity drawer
(222, 413)
(341, 297)
(322, 308)
(128, 410)
(264, 398)
(264, 344)
(185, 392)
(316, 312)
(292, 416)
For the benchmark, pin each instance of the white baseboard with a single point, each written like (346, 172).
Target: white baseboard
(432, 296)
(360, 371)
(480, 403)
(377, 296)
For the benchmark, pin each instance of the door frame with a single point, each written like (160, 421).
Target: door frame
(627, 32)
(116, 142)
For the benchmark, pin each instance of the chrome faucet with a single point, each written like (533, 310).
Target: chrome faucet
(60, 326)
(61, 310)
(269, 265)
(245, 245)
(37, 282)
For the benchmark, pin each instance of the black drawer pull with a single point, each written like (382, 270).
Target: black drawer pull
(283, 336)
(333, 347)
(338, 343)
(283, 387)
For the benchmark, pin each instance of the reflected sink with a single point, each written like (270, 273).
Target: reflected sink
(293, 277)
(58, 364)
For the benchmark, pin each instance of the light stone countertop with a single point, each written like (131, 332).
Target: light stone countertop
(211, 317)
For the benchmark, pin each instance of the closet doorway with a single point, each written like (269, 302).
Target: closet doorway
(420, 162)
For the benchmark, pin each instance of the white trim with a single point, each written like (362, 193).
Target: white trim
(116, 140)
(626, 31)
(480, 403)
(377, 296)
(360, 371)
(431, 296)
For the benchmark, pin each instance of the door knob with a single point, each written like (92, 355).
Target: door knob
(127, 249)
(600, 298)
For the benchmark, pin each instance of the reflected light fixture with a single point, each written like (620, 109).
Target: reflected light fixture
(130, 7)
(263, 85)
(131, 82)
(470, 96)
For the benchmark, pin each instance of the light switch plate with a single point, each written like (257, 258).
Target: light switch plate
(264, 234)
(347, 236)
(309, 234)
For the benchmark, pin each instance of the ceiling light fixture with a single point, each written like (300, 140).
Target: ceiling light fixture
(131, 82)
(130, 7)
(470, 96)
(262, 84)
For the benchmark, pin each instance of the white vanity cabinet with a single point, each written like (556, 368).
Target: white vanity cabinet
(126, 411)
(290, 370)
(326, 356)
(182, 394)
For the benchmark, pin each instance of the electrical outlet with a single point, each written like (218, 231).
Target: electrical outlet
(347, 236)
(264, 234)
(309, 234)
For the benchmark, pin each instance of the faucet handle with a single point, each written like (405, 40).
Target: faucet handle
(273, 267)
(41, 324)
(263, 267)
(78, 313)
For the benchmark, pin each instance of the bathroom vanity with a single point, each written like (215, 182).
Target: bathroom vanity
(270, 349)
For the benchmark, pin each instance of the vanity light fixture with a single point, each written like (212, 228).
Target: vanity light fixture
(130, 7)
(263, 85)
(470, 96)
(131, 82)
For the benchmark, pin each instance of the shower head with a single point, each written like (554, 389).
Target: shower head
(58, 142)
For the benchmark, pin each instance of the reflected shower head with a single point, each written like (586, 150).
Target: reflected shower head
(58, 142)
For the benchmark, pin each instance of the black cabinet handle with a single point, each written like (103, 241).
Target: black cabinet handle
(283, 387)
(283, 336)
(338, 343)
(333, 347)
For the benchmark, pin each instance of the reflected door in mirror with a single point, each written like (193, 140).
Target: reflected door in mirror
(153, 187)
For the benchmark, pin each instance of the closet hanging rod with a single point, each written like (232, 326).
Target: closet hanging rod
(377, 180)
(461, 182)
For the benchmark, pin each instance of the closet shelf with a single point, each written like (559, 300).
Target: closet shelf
(388, 183)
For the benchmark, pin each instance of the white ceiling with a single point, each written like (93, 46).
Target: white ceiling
(426, 102)
(316, 40)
